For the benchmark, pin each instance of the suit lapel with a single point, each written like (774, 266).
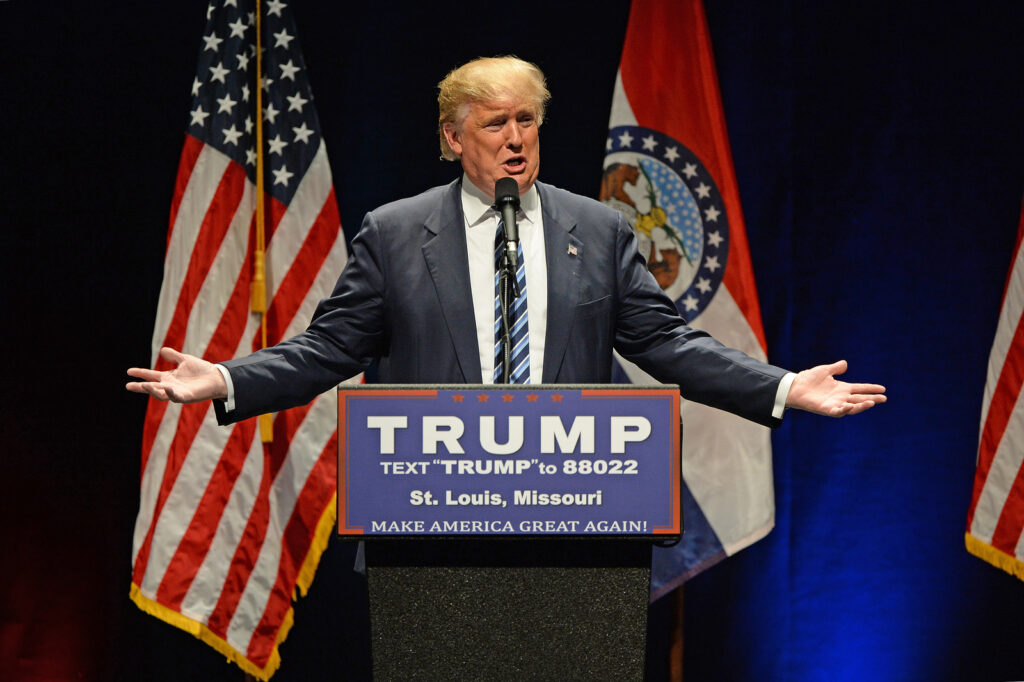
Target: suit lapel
(445, 255)
(564, 257)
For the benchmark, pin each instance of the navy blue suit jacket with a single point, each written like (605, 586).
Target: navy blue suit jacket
(404, 299)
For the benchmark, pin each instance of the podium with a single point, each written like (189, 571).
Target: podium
(508, 529)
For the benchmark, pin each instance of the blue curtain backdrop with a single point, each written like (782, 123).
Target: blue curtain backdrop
(880, 157)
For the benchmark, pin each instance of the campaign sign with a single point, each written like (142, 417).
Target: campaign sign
(509, 460)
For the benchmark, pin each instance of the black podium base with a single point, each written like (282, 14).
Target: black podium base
(508, 609)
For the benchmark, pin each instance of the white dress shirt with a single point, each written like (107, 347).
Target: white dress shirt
(481, 225)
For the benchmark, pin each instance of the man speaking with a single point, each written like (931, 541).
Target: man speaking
(420, 291)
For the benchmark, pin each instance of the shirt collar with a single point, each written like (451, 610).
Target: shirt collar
(478, 207)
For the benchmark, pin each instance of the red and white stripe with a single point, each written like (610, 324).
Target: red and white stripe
(225, 523)
(996, 514)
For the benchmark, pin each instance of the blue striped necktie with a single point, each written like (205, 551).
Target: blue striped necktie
(520, 372)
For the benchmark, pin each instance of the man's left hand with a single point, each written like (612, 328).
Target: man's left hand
(817, 390)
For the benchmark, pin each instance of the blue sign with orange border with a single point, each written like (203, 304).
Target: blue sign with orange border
(509, 460)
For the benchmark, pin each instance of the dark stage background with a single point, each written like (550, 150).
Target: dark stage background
(880, 156)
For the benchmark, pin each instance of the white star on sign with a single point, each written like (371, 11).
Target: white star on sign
(231, 135)
(209, 10)
(671, 154)
(711, 214)
(237, 28)
(245, 92)
(276, 145)
(217, 73)
(270, 113)
(649, 143)
(711, 263)
(295, 102)
(195, 86)
(274, 7)
(226, 104)
(289, 70)
(690, 170)
(199, 116)
(266, 83)
(248, 124)
(625, 139)
(243, 61)
(231, 3)
(704, 284)
(690, 302)
(212, 42)
(302, 133)
(250, 156)
(703, 191)
(283, 38)
(282, 175)
(715, 238)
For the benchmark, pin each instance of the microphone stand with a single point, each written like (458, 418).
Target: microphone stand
(508, 291)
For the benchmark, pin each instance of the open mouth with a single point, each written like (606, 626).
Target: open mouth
(517, 164)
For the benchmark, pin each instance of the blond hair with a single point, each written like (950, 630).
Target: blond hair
(488, 79)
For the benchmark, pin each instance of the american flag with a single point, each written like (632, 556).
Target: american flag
(995, 519)
(228, 526)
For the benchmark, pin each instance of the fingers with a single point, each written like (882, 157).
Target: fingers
(146, 387)
(856, 404)
(860, 407)
(871, 389)
(848, 409)
(862, 397)
(135, 387)
(150, 383)
(145, 374)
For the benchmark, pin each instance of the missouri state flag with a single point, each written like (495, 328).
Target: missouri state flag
(668, 168)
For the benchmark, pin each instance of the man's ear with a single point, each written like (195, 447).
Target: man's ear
(453, 137)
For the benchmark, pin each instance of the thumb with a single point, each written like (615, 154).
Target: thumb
(837, 368)
(171, 355)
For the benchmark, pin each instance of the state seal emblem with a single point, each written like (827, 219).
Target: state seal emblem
(676, 211)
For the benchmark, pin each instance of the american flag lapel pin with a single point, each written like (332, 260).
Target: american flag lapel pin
(572, 250)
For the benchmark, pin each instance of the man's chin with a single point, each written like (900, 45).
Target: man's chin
(524, 179)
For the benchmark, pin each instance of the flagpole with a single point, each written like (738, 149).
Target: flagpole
(258, 288)
(675, 650)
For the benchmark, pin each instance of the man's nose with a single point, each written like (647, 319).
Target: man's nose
(513, 136)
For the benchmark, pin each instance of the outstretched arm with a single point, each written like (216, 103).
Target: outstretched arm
(817, 390)
(191, 381)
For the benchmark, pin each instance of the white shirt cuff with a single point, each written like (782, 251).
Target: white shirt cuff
(229, 402)
(780, 395)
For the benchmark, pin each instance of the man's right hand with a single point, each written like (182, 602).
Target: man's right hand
(192, 381)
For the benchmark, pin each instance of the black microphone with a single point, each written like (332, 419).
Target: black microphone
(506, 200)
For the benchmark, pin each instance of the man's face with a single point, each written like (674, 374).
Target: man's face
(496, 140)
